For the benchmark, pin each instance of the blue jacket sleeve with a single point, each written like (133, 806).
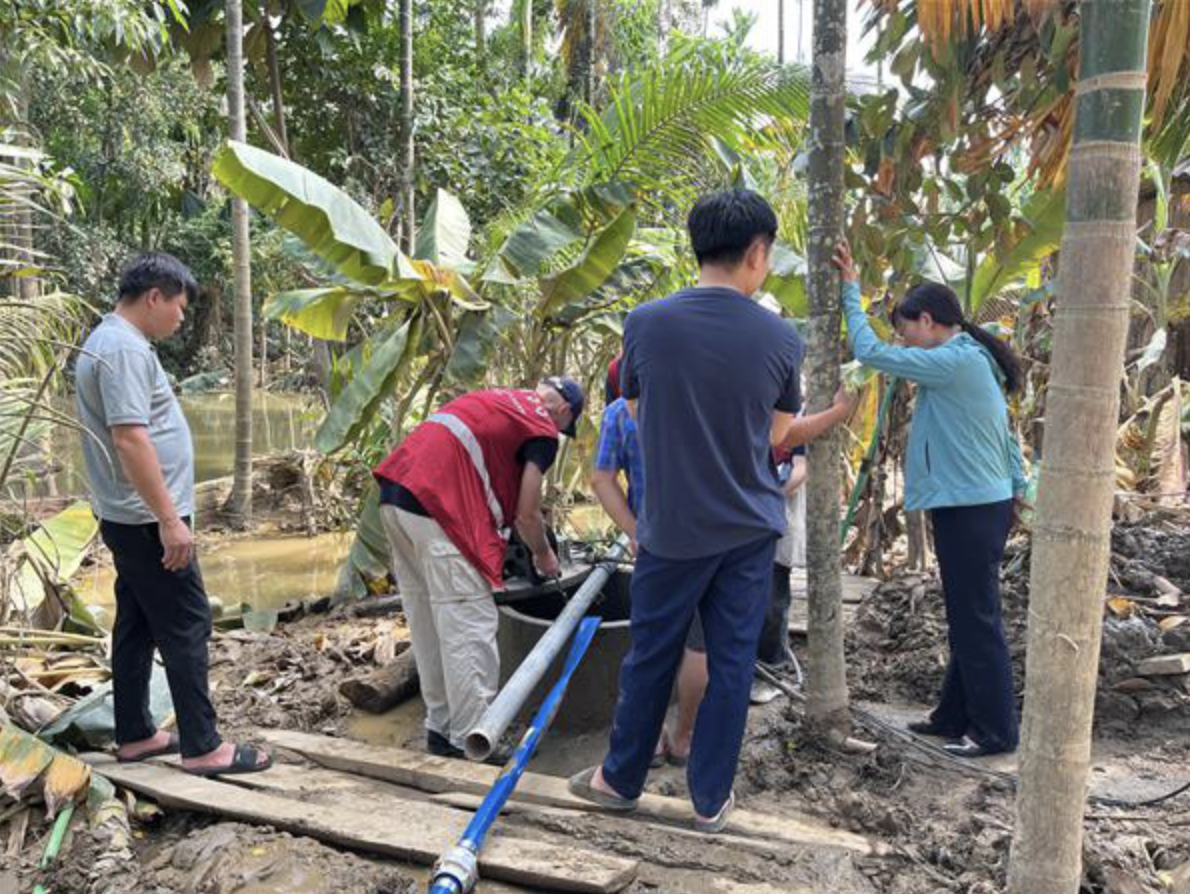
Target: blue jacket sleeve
(929, 367)
(1020, 484)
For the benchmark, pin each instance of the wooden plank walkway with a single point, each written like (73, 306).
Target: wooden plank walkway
(441, 775)
(415, 831)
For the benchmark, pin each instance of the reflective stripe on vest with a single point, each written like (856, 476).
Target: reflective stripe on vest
(466, 437)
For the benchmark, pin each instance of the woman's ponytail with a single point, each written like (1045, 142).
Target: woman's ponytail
(943, 306)
(1004, 355)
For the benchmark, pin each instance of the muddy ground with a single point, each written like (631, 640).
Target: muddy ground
(897, 648)
(949, 823)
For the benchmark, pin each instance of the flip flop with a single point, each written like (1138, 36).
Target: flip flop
(718, 822)
(172, 746)
(580, 785)
(672, 757)
(243, 761)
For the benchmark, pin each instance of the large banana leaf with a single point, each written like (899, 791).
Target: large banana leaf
(531, 245)
(445, 234)
(473, 342)
(322, 313)
(787, 281)
(357, 402)
(325, 218)
(560, 224)
(369, 554)
(53, 553)
(1045, 216)
(591, 270)
(25, 759)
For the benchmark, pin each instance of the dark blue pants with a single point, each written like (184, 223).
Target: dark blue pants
(977, 696)
(730, 592)
(167, 611)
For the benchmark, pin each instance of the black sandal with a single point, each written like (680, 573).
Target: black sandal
(170, 747)
(243, 761)
(930, 728)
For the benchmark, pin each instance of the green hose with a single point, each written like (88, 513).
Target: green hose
(55, 843)
(865, 466)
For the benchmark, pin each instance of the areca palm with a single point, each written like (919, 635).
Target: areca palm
(664, 130)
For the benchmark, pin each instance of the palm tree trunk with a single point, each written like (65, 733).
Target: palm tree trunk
(664, 21)
(278, 95)
(589, 78)
(827, 698)
(780, 32)
(405, 125)
(526, 37)
(481, 33)
(1072, 530)
(240, 502)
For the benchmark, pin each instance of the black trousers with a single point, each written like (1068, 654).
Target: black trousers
(773, 649)
(169, 611)
(977, 695)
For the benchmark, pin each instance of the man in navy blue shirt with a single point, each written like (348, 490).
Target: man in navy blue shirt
(714, 379)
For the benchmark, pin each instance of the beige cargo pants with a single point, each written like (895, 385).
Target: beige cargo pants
(452, 623)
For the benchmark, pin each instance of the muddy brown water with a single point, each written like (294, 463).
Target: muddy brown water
(262, 572)
(280, 422)
(265, 571)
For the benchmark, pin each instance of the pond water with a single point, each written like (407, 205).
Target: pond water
(263, 572)
(280, 422)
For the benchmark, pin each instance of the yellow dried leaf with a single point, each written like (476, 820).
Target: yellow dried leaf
(1121, 607)
(1168, 463)
(24, 759)
(65, 780)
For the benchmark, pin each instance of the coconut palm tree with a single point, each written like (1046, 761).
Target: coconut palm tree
(1072, 530)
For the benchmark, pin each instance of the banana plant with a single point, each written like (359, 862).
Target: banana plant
(431, 318)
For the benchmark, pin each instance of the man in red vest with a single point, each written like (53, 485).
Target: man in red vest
(450, 495)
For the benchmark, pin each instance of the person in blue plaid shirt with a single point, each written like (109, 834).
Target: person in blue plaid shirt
(619, 451)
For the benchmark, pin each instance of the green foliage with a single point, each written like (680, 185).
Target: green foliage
(1043, 219)
(445, 233)
(327, 221)
(656, 132)
(385, 358)
(591, 270)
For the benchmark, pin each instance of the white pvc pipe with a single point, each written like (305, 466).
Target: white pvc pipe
(481, 741)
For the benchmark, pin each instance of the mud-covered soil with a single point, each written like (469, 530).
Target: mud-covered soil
(951, 826)
(289, 679)
(897, 646)
(197, 857)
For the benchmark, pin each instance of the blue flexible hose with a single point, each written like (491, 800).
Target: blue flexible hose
(456, 873)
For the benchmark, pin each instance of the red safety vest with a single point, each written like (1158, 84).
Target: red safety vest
(461, 464)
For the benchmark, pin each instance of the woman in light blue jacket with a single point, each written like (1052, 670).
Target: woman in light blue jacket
(963, 465)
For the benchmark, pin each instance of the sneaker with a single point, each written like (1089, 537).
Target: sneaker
(439, 746)
(763, 692)
(718, 822)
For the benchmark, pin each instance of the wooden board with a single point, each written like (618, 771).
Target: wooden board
(1164, 665)
(436, 775)
(418, 833)
(855, 588)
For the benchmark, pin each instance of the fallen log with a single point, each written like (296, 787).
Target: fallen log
(384, 689)
(376, 606)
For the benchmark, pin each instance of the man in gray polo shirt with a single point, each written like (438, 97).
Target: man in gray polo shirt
(140, 461)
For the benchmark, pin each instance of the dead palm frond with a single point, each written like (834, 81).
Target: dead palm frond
(1007, 33)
